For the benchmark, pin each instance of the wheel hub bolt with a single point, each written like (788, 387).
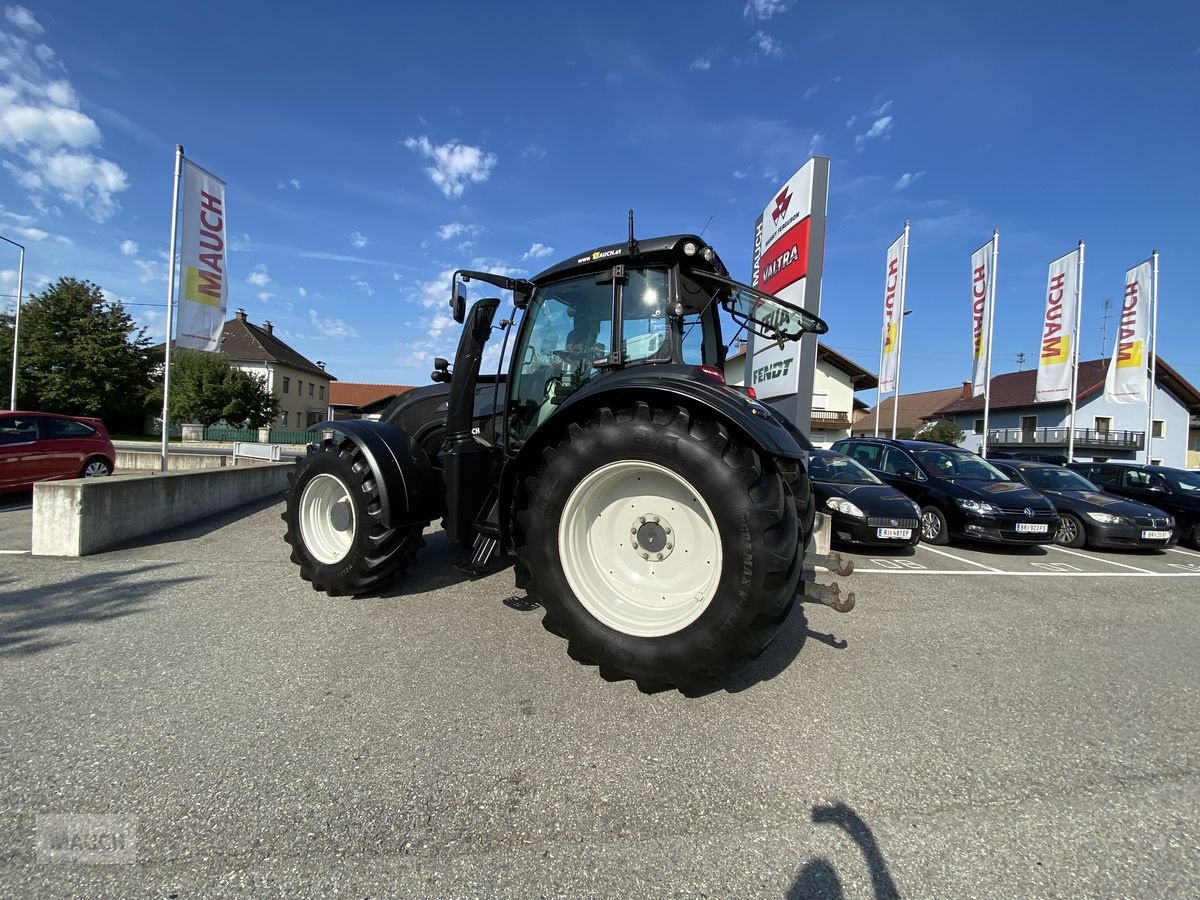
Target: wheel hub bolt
(650, 537)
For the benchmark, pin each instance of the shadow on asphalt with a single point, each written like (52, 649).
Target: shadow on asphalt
(435, 568)
(19, 500)
(29, 615)
(818, 880)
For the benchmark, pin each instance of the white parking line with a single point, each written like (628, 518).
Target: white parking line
(13, 552)
(1184, 552)
(1100, 559)
(969, 562)
(1141, 574)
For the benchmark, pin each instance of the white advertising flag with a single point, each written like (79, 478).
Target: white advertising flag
(203, 254)
(893, 291)
(1058, 330)
(1126, 379)
(981, 298)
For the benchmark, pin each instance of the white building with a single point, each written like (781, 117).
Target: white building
(835, 381)
(1103, 430)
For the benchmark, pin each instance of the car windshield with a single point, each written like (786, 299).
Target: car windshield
(1183, 482)
(1057, 480)
(763, 314)
(839, 470)
(951, 463)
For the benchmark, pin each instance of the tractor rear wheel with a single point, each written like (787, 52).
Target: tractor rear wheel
(333, 523)
(660, 549)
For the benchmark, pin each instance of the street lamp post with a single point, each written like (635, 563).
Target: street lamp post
(12, 396)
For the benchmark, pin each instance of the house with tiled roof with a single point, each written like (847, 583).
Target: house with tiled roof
(357, 400)
(301, 386)
(1103, 430)
(910, 414)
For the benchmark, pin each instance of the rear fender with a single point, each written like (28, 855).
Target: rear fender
(411, 491)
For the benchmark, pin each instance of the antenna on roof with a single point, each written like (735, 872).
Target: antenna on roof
(705, 228)
(632, 242)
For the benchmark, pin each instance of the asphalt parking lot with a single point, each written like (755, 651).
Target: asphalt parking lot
(984, 724)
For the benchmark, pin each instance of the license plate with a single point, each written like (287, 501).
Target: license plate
(1032, 528)
(1156, 535)
(900, 534)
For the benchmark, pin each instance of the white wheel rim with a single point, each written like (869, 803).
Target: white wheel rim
(664, 583)
(327, 519)
(930, 526)
(95, 470)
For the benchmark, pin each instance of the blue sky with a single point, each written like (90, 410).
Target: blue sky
(371, 148)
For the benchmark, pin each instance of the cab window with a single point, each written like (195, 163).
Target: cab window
(644, 315)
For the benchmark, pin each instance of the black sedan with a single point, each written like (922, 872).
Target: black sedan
(1090, 517)
(864, 509)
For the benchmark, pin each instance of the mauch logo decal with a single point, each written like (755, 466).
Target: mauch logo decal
(781, 205)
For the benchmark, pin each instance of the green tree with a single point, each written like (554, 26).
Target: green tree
(79, 354)
(943, 431)
(206, 388)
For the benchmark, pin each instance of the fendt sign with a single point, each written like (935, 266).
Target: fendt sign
(789, 239)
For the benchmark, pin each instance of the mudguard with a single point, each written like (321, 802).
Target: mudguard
(411, 491)
(750, 421)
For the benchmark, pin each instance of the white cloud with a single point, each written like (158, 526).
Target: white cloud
(738, 173)
(537, 251)
(439, 323)
(33, 234)
(258, 276)
(851, 121)
(465, 246)
(302, 292)
(906, 180)
(129, 248)
(454, 164)
(455, 229)
(533, 151)
(265, 296)
(358, 239)
(879, 128)
(883, 108)
(23, 19)
(811, 90)
(765, 9)
(151, 271)
(43, 128)
(334, 328)
(703, 64)
(363, 285)
(767, 45)
(292, 183)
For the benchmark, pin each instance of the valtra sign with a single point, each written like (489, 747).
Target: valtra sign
(783, 245)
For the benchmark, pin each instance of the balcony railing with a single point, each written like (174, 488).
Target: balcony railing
(1085, 438)
(829, 418)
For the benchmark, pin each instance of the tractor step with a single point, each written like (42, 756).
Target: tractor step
(485, 551)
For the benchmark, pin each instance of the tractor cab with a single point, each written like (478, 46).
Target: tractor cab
(622, 308)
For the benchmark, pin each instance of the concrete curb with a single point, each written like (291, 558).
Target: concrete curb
(86, 515)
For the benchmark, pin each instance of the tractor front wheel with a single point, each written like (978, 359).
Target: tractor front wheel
(334, 526)
(660, 549)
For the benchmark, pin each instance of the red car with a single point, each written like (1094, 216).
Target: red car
(37, 446)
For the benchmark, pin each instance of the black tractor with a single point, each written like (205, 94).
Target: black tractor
(658, 515)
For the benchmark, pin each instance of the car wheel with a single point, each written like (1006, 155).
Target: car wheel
(95, 468)
(933, 526)
(1196, 535)
(1070, 532)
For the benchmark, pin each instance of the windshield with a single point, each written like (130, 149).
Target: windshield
(1057, 480)
(1183, 482)
(763, 314)
(839, 470)
(951, 463)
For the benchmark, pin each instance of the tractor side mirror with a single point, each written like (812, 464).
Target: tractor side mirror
(458, 302)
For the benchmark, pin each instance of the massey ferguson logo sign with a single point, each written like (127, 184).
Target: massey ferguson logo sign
(781, 205)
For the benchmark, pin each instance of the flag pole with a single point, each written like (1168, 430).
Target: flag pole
(1075, 355)
(1153, 354)
(166, 421)
(900, 328)
(987, 366)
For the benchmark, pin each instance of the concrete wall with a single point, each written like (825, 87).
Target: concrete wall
(85, 515)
